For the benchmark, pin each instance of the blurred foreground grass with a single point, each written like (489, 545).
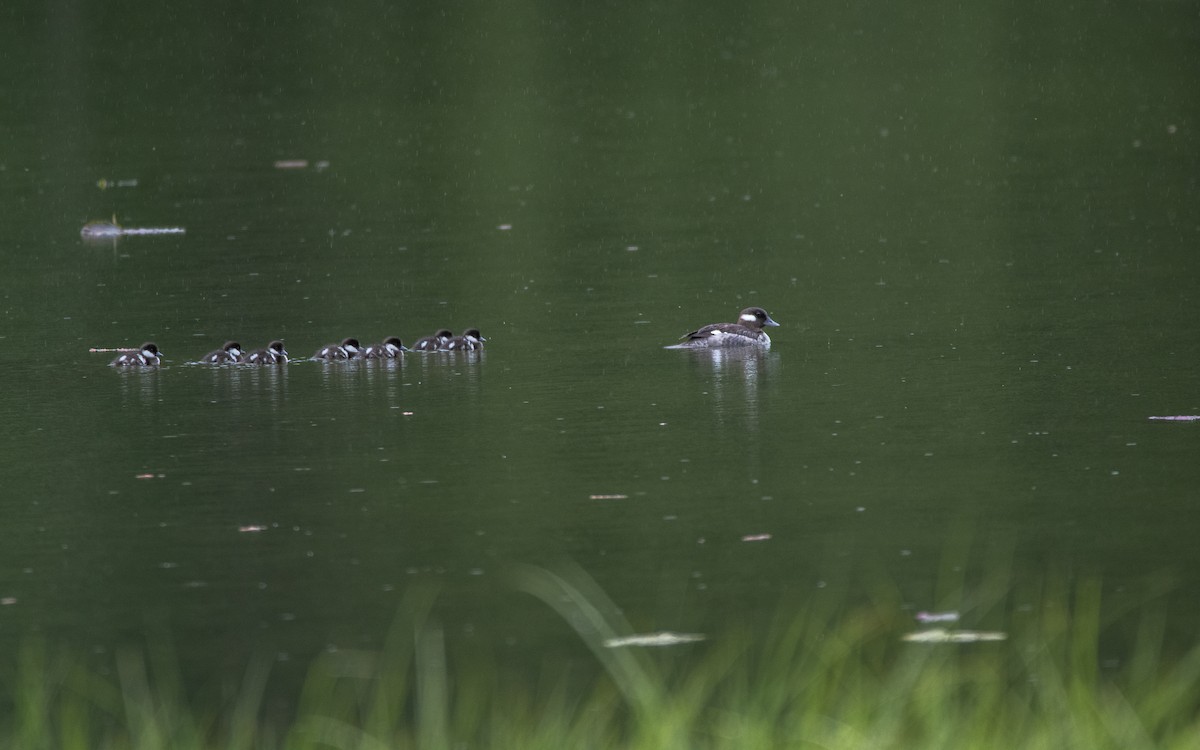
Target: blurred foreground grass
(835, 677)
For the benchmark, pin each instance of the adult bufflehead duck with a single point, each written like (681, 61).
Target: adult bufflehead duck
(229, 353)
(274, 354)
(747, 331)
(146, 356)
(470, 341)
(434, 343)
(348, 349)
(389, 349)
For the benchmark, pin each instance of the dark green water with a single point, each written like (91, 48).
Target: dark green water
(979, 227)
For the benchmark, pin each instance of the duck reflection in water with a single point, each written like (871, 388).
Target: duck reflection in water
(729, 368)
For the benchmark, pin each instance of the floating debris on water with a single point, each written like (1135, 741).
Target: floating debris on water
(104, 184)
(941, 635)
(936, 617)
(100, 230)
(664, 638)
(108, 230)
(320, 166)
(251, 528)
(1179, 418)
(756, 537)
(608, 497)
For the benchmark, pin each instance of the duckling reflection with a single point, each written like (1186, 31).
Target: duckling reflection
(464, 367)
(257, 388)
(260, 378)
(382, 376)
(138, 386)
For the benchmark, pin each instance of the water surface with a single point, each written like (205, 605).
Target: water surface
(978, 228)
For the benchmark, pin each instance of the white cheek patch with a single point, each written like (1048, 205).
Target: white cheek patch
(748, 318)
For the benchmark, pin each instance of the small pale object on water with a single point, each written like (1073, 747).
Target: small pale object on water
(99, 230)
(107, 230)
(664, 638)
(936, 617)
(105, 184)
(940, 635)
